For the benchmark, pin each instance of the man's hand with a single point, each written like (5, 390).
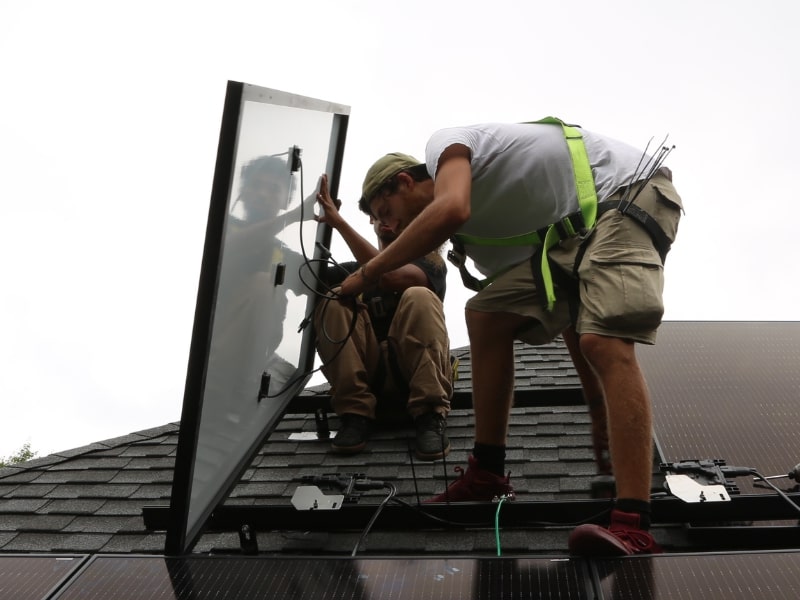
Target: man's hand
(330, 207)
(358, 282)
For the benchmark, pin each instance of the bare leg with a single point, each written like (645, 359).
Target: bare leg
(629, 413)
(491, 338)
(595, 400)
(592, 390)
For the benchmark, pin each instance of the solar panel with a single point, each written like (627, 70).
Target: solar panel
(727, 390)
(730, 576)
(185, 578)
(252, 348)
(34, 577)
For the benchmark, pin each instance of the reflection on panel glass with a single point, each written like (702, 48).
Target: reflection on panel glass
(188, 578)
(252, 348)
(261, 298)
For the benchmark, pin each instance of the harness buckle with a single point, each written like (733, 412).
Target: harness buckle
(377, 310)
(458, 259)
(569, 226)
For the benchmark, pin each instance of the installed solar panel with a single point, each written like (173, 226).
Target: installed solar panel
(727, 390)
(34, 577)
(128, 577)
(729, 576)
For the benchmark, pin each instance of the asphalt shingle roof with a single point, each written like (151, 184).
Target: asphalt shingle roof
(91, 499)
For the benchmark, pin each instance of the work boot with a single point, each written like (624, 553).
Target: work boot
(432, 441)
(623, 537)
(475, 485)
(353, 434)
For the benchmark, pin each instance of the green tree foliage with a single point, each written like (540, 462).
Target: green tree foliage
(21, 455)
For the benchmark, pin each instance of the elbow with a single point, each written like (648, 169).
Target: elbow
(457, 215)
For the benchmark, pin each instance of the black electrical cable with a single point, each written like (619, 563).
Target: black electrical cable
(384, 502)
(780, 492)
(293, 381)
(330, 296)
(413, 470)
(419, 509)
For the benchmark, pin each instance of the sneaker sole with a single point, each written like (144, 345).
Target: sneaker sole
(434, 456)
(593, 540)
(348, 449)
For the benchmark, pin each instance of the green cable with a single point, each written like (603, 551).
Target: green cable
(497, 524)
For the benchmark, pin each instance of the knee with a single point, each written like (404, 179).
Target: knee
(330, 310)
(477, 321)
(604, 352)
(417, 297)
(420, 303)
(492, 325)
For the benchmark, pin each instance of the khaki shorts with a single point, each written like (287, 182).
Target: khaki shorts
(621, 276)
(515, 292)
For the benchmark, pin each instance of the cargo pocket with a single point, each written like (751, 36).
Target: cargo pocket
(622, 287)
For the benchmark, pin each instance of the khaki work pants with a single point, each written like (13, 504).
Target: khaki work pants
(354, 363)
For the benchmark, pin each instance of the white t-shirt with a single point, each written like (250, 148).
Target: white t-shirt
(522, 180)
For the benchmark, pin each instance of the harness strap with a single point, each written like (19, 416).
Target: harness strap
(587, 199)
(581, 167)
(566, 228)
(661, 242)
(546, 237)
(660, 239)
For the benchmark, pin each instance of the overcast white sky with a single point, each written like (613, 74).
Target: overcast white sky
(109, 121)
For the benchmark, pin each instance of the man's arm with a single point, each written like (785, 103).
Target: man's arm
(394, 281)
(403, 278)
(448, 211)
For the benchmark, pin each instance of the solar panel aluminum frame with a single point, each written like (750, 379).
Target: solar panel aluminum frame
(666, 510)
(183, 530)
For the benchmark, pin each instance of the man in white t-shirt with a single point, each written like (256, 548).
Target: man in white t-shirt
(495, 181)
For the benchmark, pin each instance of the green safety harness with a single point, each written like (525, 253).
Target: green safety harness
(548, 236)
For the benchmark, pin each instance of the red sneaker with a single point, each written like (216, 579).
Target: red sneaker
(474, 485)
(623, 537)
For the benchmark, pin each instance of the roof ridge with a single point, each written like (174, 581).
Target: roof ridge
(63, 456)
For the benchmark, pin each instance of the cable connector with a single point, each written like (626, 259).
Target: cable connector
(304, 323)
(294, 158)
(368, 484)
(324, 252)
(736, 471)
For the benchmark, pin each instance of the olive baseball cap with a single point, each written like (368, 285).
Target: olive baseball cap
(383, 170)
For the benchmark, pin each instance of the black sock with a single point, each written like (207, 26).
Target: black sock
(489, 457)
(640, 507)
